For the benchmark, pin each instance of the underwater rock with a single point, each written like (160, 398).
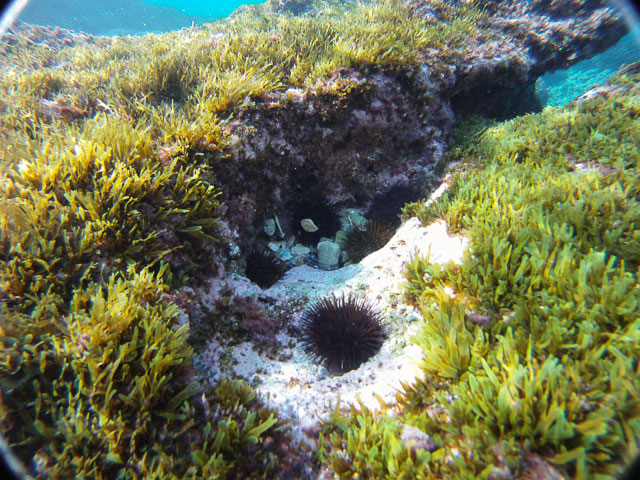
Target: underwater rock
(541, 469)
(500, 473)
(328, 254)
(523, 40)
(416, 439)
(341, 236)
(53, 110)
(352, 217)
(478, 318)
(285, 256)
(357, 133)
(277, 246)
(299, 250)
(53, 37)
(299, 254)
(281, 250)
(279, 144)
(292, 6)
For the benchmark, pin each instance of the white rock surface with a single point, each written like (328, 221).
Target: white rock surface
(303, 390)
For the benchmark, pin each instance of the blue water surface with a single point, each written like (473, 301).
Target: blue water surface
(127, 17)
(204, 8)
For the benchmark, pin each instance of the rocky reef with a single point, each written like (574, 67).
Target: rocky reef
(346, 148)
(139, 175)
(361, 131)
(520, 41)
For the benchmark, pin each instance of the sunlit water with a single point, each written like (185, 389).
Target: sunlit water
(121, 17)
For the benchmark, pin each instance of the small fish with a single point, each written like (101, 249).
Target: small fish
(308, 225)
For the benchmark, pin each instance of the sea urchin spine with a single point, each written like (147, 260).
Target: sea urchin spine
(360, 243)
(264, 268)
(344, 332)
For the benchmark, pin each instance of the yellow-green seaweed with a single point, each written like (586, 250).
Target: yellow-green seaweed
(102, 391)
(108, 154)
(550, 205)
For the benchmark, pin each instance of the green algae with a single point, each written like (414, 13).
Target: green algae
(108, 191)
(190, 76)
(370, 447)
(103, 390)
(535, 355)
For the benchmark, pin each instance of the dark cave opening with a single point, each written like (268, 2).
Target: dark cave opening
(497, 101)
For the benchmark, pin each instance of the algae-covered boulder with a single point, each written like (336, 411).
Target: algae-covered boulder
(524, 340)
(135, 170)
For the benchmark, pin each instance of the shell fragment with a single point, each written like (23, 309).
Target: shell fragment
(308, 225)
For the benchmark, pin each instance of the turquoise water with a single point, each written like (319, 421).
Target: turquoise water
(127, 17)
(204, 8)
(560, 87)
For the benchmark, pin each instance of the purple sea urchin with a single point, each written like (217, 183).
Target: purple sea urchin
(264, 268)
(360, 243)
(386, 206)
(343, 332)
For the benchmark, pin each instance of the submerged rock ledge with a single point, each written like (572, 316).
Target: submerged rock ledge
(139, 174)
(303, 391)
(359, 133)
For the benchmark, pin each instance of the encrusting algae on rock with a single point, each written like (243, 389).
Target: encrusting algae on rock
(110, 199)
(124, 173)
(552, 273)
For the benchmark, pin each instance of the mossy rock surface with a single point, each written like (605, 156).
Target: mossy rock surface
(115, 158)
(531, 344)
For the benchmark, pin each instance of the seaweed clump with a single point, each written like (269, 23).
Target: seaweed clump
(518, 363)
(103, 391)
(108, 196)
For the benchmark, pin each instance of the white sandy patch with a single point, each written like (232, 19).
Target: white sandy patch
(302, 389)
